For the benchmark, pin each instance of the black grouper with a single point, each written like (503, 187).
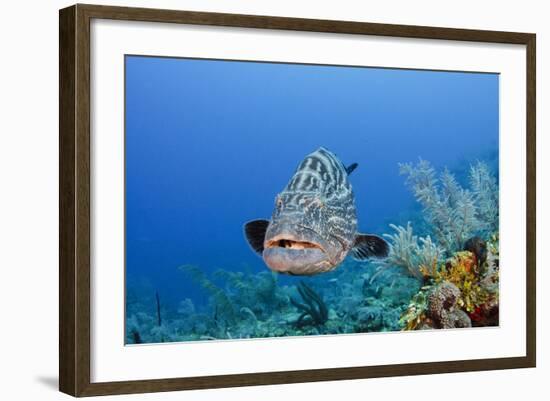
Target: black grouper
(314, 223)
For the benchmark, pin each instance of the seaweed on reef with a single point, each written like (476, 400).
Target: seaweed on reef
(241, 305)
(266, 288)
(136, 337)
(224, 306)
(409, 251)
(263, 308)
(454, 213)
(485, 188)
(415, 315)
(186, 307)
(313, 306)
(258, 292)
(159, 318)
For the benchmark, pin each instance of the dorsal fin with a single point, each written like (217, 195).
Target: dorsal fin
(351, 167)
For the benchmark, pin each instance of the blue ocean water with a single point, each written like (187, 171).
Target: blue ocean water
(209, 143)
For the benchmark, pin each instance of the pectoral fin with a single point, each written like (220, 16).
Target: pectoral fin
(368, 246)
(255, 233)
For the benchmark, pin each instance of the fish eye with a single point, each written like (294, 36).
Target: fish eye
(278, 202)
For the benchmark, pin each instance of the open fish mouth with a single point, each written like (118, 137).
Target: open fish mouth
(290, 243)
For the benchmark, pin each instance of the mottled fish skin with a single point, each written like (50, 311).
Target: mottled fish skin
(314, 222)
(318, 198)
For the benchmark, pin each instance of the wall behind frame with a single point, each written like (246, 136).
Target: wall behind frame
(29, 179)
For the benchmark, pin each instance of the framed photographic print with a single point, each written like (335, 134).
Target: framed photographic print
(251, 200)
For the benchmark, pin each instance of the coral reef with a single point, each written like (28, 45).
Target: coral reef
(436, 307)
(443, 307)
(460, 293)
(415, 316)
(460, 270)
(247, 305)
(478, 247)
(443, 274)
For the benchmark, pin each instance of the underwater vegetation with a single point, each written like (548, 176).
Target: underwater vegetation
(313, 306)
(455, 213)
(441, 272)
(460, 270)
(257, 305)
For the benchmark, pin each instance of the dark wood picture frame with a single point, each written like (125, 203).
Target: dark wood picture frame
(74, 202)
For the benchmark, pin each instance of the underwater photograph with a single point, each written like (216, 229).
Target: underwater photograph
(270, 199)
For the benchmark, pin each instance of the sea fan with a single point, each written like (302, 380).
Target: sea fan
(408, 251)
(223, 305)
(454, 213)
(485, 189)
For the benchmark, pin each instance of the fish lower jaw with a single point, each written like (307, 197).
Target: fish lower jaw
(296, 261)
